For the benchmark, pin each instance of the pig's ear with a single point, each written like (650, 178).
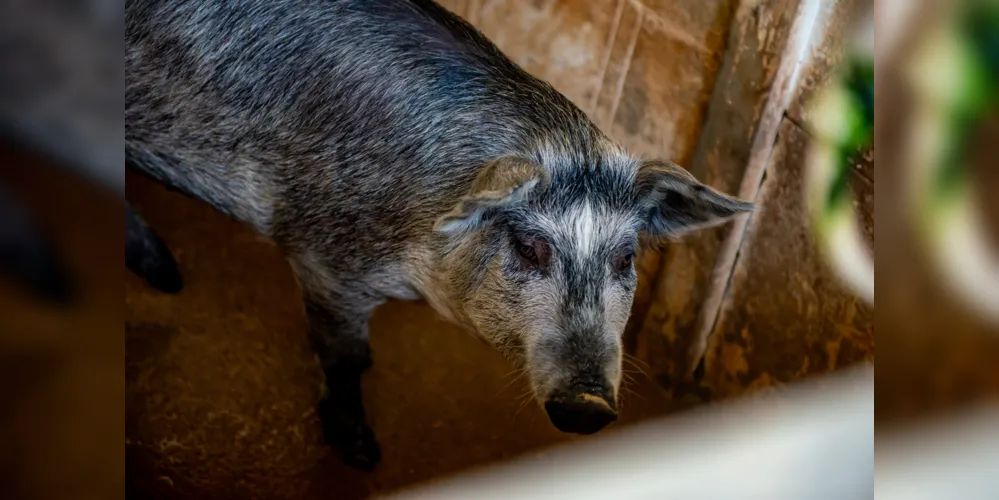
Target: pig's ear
(675, 203)
(501, 184)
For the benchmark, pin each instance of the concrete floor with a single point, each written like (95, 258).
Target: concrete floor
(221, 382)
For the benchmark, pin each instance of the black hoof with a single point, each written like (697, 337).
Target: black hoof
(357, 447)
(353, 440)
(164, 276)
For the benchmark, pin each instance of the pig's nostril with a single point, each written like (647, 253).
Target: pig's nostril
(583, 414)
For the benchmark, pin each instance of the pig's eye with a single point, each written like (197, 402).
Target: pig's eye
(623, 261)
(534, 253)
(526, 252)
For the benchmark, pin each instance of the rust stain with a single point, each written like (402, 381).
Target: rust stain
(733, 358)
(764, 381)
(803, 370)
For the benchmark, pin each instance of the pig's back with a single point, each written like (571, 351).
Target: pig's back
(284, 111)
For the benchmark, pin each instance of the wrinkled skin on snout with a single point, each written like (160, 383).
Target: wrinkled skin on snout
(543, 250)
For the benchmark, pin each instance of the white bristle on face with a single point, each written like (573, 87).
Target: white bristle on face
(584, 227)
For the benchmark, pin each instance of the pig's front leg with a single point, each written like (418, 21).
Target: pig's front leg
(338, 330)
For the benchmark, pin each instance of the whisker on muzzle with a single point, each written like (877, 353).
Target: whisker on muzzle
(525, 400)
(630, 392)
(520, 372)
(634, 363)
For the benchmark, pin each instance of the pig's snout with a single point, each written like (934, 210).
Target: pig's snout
(582, 410)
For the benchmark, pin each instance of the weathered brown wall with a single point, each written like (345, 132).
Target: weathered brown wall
(786, 314)
(770, 307)
(757, 41)
(643, 70)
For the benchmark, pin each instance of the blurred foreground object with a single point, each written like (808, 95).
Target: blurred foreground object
(814, 441)
(950, 74)
(938, 208)
(61, 96)
(842, 127)
(950, 458)
(27, 255)
(61, 112)
(61, 83)
(953, 74)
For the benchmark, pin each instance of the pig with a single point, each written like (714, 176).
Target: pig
(394, 153)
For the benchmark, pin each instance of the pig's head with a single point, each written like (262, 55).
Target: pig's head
(540, 261)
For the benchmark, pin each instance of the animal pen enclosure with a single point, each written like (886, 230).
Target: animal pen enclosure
(220, 383)
(717, 86)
